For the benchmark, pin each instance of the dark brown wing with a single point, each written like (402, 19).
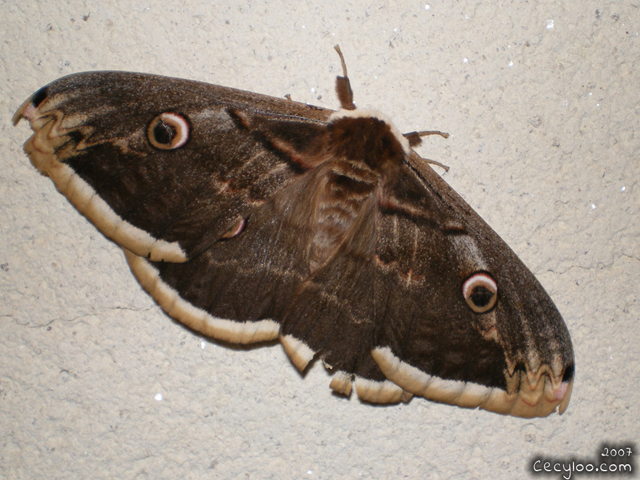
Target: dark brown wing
(515, 358)
(254, 218)
(91, 137)
(397, 287)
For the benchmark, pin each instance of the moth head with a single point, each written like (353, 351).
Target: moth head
(480, 291)
(168, 131)
(368, 136)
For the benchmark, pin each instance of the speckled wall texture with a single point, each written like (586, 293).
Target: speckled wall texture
(541, 101)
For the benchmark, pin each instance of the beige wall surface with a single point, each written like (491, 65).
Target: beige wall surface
(542, 103)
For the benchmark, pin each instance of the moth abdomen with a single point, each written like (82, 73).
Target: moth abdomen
(341, 201)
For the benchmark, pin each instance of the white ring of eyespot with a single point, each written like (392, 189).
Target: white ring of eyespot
(178, 122)
(480, 280)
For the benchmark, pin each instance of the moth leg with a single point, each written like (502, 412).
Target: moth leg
(434, 162)
(415, 137)
(415, 156)
(415, 140)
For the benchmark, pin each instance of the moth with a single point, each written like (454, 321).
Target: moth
(251, 219)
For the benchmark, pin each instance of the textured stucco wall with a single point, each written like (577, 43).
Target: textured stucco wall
(541, 100)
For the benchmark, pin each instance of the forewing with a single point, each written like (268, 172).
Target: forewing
(92, 138)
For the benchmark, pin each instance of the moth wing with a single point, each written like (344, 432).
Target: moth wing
(395, 294)
(92, 136)
(220, 231)
(515, 358)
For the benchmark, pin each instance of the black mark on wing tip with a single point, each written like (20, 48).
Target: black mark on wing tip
(568, 373)
(39, 97)
(520, 368)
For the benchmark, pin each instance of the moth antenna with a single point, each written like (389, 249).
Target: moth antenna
(344, 65)
(343, 86)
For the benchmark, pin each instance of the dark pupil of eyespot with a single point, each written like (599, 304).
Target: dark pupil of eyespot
(481, 296)
(164, 133)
